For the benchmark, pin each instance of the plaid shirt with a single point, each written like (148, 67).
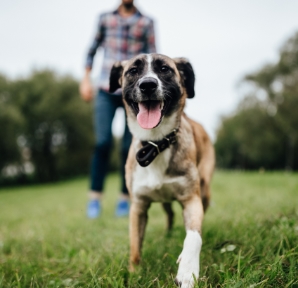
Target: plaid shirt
(121, 38)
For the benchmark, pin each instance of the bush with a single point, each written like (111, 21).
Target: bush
(46, 124)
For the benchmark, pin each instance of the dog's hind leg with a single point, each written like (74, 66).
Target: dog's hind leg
(205, 193)
(206, 168)
(138, 217)
(167, 206)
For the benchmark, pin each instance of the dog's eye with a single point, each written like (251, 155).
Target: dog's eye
(133, 71)
(164, 69)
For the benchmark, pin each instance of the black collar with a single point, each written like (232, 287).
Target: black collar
(151, 149)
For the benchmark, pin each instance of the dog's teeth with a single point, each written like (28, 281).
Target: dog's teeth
(161, 105)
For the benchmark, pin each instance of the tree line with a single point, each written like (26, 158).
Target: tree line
(262, 133)
(46, 131)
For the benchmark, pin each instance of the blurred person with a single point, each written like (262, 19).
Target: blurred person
(122, 34)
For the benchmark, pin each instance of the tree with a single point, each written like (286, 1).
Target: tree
(263, 130)
(11, 123)
(56, 126)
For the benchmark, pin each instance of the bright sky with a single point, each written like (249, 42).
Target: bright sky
(224, 40)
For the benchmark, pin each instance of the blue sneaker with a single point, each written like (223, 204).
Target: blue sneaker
(122, 208)
(93, 208)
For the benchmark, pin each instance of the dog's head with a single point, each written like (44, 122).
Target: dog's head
(154, 91)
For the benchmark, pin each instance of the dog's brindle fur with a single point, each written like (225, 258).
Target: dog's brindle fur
(183, 171)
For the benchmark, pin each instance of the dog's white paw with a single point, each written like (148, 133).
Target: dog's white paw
(186, 281)
(189, 260)
(188, 270)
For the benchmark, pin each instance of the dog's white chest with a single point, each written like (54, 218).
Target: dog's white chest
(152, 181)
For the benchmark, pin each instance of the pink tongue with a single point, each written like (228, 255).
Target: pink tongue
(149, 116)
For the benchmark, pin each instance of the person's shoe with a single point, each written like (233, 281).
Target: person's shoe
(93, 208)
(122, 208)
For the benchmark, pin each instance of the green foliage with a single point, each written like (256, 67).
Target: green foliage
(115, 161)
(250, 140)
(249, 237)
(11, 123)
(263, 130)
(45, 119)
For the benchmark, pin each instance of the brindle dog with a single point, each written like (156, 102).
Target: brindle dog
(171, 156)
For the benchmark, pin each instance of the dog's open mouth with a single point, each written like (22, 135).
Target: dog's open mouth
(149, 113)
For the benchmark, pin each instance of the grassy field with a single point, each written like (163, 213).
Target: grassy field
(250, 236)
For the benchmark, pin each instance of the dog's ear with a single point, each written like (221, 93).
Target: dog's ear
(187, 74)
(116, 77)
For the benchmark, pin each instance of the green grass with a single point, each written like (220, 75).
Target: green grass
(46, 240)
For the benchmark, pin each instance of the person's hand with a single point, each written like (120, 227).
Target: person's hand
(86, 89)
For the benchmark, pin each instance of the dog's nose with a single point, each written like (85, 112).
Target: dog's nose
(148, 85)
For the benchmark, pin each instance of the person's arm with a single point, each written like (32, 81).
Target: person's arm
(86, 89)
(150, 39)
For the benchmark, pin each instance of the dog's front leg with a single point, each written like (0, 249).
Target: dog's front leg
(189, 259)
(137, 224)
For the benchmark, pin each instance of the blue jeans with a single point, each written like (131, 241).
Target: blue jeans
(105, 108)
